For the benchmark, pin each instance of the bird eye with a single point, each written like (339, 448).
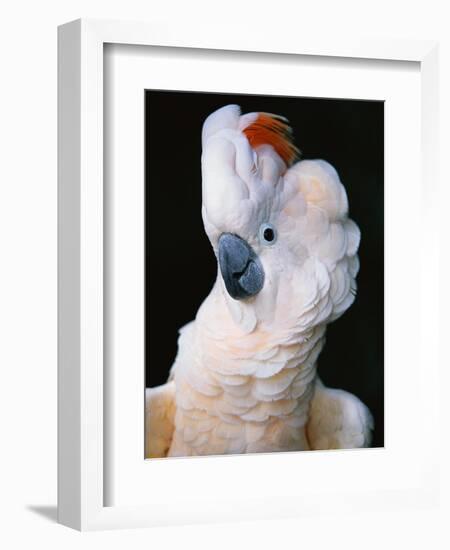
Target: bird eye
(267, 234)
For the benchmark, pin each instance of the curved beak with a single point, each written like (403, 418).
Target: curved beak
(241, 268)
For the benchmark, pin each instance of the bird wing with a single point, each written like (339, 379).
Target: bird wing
(338, 420)
(159, 419)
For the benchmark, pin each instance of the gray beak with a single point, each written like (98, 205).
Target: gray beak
(241, 268)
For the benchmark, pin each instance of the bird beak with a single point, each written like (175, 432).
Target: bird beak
(240, 267)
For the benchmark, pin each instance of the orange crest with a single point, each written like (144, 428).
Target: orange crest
(273, 130)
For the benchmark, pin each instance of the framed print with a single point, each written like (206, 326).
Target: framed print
(220, 203)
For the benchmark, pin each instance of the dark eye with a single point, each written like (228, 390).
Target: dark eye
(267, 234)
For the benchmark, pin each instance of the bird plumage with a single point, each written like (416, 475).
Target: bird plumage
(245, 376)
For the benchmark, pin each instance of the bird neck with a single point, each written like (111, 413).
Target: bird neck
(251, 347)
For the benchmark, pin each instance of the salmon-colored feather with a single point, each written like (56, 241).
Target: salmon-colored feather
(269, 129)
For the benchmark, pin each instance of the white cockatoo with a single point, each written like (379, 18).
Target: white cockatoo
(245, 376)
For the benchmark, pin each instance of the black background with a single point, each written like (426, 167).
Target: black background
(180, 264)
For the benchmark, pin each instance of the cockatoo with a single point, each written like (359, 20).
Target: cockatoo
(245, 376)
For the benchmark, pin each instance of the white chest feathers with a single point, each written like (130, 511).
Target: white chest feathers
(243, 395)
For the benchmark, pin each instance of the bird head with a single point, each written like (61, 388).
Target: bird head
(285, 246)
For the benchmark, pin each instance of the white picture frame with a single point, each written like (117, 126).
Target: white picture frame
(82, 483)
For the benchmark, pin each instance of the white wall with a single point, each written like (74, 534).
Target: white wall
(28, 270)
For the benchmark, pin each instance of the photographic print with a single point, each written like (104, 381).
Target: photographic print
(264, 274)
